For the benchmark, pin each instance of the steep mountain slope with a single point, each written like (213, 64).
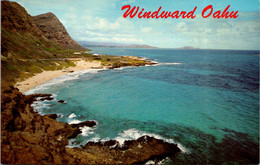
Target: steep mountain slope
(53, 29)
(17, 27)
(43, 34)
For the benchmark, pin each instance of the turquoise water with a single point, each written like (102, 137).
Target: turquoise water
(208, 103)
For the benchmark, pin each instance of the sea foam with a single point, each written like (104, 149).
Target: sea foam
(133, 134)
(75, 121)
(165, 63)
(72, 115)
(86, 131)
(39, 105)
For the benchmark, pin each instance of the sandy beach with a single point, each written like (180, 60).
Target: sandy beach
(45, 76)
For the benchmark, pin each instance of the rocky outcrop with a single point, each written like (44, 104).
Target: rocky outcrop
(33, 97)
(28, 138)
(52, 28)
(137, 151)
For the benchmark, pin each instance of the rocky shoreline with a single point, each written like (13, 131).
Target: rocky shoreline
(29, 138)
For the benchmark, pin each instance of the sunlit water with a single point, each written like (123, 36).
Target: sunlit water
(207, 103)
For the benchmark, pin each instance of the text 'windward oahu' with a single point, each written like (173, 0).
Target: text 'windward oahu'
(206, 13)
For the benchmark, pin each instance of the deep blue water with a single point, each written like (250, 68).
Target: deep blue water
(208, 103)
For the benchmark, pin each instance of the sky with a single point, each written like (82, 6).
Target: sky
(103, 21)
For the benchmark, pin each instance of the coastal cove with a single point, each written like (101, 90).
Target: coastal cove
(82, 85)
(128, 103)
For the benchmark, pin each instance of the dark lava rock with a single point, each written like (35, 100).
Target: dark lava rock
(111, 143)
(84, 123)
(33, 97)
(62, 102)
(52, 116)
(27, 137)
(47, 98)
(133, 151)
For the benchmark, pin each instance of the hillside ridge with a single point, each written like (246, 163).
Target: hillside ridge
(53, 29)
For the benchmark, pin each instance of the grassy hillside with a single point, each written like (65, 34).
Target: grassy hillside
(24, 46)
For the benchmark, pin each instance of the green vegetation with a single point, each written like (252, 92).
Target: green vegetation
(110, 61)
(23, 55)
(14, 70)
(121, 61)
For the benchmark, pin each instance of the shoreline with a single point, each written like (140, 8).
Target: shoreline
(43, 140)
(80, 64)
(46, 76)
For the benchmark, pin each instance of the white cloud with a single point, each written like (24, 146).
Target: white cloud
(131, 39)
(128, 1)
(90, 28)
(181, 27)
(146, 29)
(102, 21)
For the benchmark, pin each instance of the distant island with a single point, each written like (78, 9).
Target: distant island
(87, 44)
(113, 45)
(187, 47)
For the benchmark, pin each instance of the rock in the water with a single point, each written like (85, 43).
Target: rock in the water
(84, 123)
(62, 102)
(137, 151)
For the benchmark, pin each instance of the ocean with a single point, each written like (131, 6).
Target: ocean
(206, 101)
